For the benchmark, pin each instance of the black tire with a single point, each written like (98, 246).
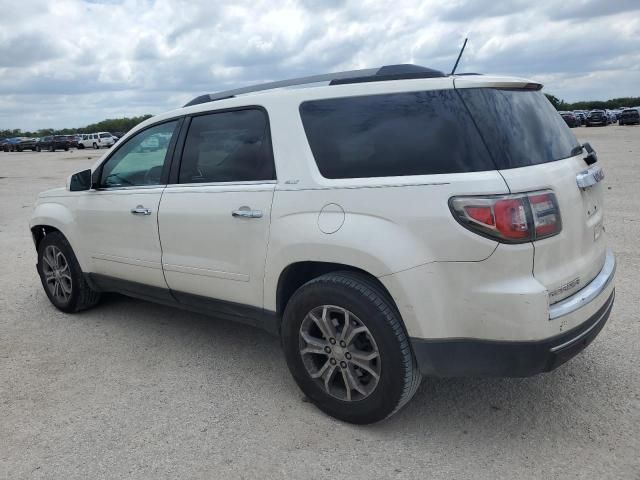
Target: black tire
(80, 146)
(38, 149)
(399, 375)
(52, 148)
(66, 149)
(82, 296)
(95, 146)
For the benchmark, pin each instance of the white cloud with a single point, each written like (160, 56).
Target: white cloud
(72, 62)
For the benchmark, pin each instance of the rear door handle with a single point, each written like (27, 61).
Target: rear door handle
(140, 210)
(246, 212)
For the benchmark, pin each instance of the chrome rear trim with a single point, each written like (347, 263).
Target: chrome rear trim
(588, 293)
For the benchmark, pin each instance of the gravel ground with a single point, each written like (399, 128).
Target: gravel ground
(136, 390)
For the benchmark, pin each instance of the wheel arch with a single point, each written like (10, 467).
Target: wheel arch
(296, 274)
(49, 217)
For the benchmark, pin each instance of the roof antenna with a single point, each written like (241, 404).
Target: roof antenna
(459, 55)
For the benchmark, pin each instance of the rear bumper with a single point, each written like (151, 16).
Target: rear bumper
(490, 358)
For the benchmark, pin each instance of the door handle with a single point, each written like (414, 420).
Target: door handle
(140, 210)
(246, 212)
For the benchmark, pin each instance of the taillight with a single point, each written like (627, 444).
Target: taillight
(515, 218)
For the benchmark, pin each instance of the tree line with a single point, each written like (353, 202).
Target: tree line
(594, 104)
(112, 125)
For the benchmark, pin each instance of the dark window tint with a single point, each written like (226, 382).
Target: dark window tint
(397, 134)
(520, 127)
(227, 147)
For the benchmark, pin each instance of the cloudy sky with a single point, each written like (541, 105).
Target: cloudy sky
(72, 62)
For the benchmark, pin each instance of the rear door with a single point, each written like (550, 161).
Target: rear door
(535, 150)
(214, 219)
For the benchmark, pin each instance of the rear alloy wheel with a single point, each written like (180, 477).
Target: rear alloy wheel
(347, 349)
(342, 358)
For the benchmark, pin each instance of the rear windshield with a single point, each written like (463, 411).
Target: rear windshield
(439, 131)
(520, 128)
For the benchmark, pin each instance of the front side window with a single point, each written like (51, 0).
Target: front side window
(140, 160)
(227, 147)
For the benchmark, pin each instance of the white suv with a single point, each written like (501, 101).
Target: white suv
(387, 224)
(96, 140)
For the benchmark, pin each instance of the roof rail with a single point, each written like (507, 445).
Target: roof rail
(387, 72)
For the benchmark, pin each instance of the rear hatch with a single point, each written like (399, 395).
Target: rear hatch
(535, 150)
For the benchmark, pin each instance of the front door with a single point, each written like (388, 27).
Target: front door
(214, 221)
(121, 215)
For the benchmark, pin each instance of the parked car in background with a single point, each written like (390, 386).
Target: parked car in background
(26, 144)
(611, 116)
(630, 116)
(581, 116)
(570, 119)
(18, 144)
(274, 209)
(97, 140)
(597, 118)
(73, 140)
(53, 143)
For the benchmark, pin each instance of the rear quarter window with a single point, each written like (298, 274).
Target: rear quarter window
(520, 127)
(412, 133)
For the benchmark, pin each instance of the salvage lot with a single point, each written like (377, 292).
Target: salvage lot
(132, 389)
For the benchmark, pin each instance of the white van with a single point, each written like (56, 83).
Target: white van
(96, 140)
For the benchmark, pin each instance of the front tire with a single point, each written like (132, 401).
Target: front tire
(347, 349)
(62, 277)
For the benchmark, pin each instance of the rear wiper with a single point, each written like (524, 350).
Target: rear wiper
(592, 156)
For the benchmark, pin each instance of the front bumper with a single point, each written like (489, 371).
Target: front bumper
(490, 358)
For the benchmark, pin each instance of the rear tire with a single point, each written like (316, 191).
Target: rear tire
(62, 277)
(325, 368)
(95, 146)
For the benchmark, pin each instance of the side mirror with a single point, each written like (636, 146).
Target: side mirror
(80, 181)
(592, 156)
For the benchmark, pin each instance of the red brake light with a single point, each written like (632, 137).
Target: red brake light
(509, 218)
(481, 214)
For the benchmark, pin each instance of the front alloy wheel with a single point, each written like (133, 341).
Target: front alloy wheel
(57, 274)
(339, 352)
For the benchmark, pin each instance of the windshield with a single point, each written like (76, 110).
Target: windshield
(520, 128)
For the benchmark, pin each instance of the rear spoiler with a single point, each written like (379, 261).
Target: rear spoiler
(482, 81)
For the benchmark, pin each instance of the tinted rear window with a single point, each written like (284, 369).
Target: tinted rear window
(398, 134)
(520, 128)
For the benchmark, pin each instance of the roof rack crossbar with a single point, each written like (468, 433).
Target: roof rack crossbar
(387, 72)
